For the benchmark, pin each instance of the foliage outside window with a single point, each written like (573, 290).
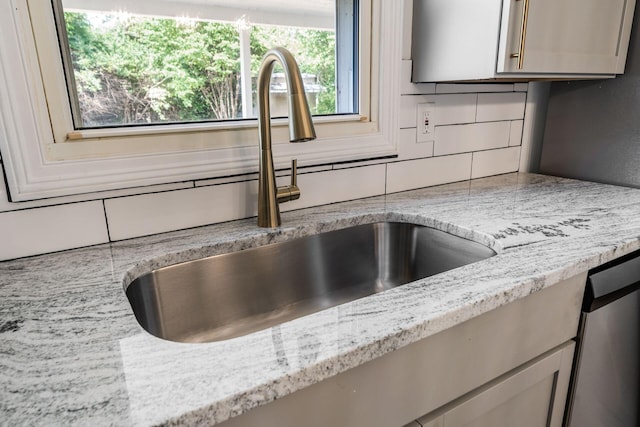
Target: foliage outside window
(132, 69)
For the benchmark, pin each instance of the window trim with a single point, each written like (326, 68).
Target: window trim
(36, 167)
(55, 79)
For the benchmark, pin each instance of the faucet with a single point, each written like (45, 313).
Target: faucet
(300, 130)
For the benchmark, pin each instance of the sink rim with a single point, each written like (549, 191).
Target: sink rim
(263, 237)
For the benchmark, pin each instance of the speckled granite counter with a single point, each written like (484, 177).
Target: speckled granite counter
(72, 352)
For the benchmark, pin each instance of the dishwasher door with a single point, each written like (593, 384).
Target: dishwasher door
(606, 380)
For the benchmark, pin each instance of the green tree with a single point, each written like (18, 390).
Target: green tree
(132, 70)
(319, 50)
(314, 51)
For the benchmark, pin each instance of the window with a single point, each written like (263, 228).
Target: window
(182, 63)
(127, 68)
(57, 143)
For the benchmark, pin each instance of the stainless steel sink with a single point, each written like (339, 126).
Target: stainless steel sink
(230, 295)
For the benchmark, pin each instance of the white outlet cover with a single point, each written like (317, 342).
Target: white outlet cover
(425, 122)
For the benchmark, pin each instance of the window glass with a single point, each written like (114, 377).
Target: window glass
(126, 68)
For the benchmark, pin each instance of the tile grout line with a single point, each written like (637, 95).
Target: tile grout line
(471, 169)
(386, 177)
(106, 220)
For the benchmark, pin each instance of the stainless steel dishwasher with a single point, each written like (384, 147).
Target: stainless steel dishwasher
(606, 378)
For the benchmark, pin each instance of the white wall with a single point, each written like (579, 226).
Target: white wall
(478, 132)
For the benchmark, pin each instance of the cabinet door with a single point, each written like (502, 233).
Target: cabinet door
(564, 36)
(532, 396)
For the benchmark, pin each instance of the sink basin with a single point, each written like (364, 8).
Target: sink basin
(230, 295)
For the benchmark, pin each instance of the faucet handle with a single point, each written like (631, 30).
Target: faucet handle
(290, 192)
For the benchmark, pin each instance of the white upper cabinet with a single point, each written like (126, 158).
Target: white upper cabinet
(519, 39)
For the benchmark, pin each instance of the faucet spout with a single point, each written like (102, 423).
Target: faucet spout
(300, 130)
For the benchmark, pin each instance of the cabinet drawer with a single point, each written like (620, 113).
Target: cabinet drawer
(532, 396)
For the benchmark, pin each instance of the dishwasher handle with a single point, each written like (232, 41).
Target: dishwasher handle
(612, 281)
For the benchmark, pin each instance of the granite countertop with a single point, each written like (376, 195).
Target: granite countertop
(73, 353)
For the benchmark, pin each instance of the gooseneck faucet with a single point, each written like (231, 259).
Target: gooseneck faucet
(300, 130)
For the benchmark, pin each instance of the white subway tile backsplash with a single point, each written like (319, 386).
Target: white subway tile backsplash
(500, 106)
(156, 213)
(449, 109)
(6, 206)
(472, 137)
(412, 174)
(442, 88)
(409, 108)
(56, 228)
(337, 186)
(305, 170)
(495, 162)
(515, 137)
(455, 109)
(254, 176)
(410, 148)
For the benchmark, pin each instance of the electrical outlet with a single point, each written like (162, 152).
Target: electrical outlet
(425, 124)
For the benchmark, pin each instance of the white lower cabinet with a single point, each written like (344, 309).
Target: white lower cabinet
(533, 395)
(507, 367)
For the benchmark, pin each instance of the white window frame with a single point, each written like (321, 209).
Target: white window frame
(40, 161)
